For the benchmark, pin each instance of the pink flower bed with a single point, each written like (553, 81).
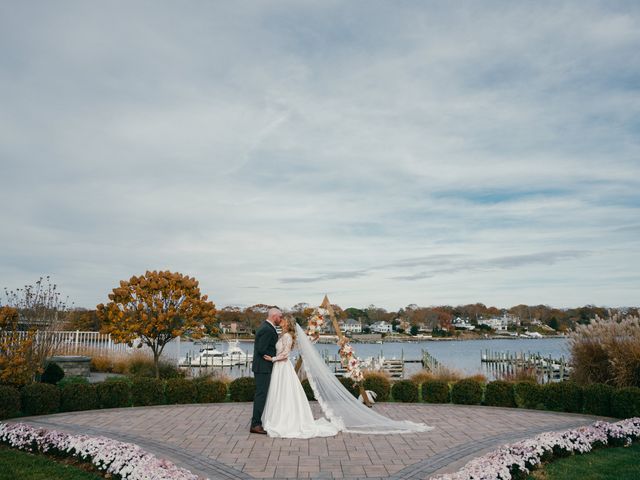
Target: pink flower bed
(123, 460)
(518, 459)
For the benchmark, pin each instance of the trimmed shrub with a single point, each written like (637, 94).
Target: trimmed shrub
(405, 391)
(210, 391)
(528, 395)
(499, 394)
(436, 391)
(9, 402)
(562, 397)
(180, 390)
(78, 396)
(143, 367)
(40, 399)
(597, 399)
(347, 383)
(242, 389)
(467, 392)
(626, 402)
(147, 391)
(114, 393)
(73, 379)
(308, 391)
(379, 383)
(52, 374)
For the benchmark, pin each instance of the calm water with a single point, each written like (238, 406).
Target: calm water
(459, 354)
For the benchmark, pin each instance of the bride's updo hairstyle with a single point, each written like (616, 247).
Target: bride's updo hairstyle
(290, 328)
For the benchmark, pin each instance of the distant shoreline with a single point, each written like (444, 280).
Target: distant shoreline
(331, 341)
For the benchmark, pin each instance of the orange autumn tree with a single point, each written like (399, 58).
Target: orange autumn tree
(18, 364)
(156, 308)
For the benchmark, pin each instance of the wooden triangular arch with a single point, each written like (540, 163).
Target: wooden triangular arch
(326, 304)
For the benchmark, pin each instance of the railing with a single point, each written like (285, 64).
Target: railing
(74, 342)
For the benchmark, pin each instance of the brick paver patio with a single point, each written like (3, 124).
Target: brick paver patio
(213, 440)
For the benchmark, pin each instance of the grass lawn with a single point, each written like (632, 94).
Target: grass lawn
(618, 463)
(15, 465)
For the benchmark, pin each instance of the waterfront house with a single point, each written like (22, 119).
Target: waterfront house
(351, 326)
(381, 327)
(462, 324)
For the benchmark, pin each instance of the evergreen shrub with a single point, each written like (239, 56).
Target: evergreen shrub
(436, 391)
(528, 395)
(147, 391)
(378, 383)
(405, 391)
(9, 402)
(626, 402)
(180, 390)
(597, 399)
(467, 392)
(499, 394)
(562, 397)
(52, 374)
(210, 391)
(40, 399)
(78, 396)
(114, 393)
(242, 389)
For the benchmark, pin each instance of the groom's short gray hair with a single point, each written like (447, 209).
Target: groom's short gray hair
(273, 312)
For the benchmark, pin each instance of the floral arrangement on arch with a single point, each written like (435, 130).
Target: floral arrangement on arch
(350, 361)
(122, 460)
(316, 322)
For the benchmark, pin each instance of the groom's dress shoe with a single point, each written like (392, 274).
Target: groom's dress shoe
(258, 429)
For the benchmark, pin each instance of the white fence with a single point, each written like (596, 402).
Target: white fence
(71, 343)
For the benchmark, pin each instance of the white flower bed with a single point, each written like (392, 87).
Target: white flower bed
(518, 459)
(124, 460)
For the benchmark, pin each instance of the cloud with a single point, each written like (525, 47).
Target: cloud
(308, 148)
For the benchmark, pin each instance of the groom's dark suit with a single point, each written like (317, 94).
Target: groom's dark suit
(265, 344)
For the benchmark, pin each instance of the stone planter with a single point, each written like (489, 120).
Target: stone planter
(73, 365)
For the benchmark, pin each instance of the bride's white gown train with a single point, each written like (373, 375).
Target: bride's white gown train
(287, 413)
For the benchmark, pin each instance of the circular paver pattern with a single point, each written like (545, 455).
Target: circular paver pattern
(213, 440)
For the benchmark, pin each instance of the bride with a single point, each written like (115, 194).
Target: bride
(287, 412)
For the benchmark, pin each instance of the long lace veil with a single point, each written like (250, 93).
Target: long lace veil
(345, 411)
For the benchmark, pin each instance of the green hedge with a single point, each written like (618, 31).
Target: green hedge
(562, 397)
(242, 389)
(72, 379)
(597, 399)
(405, 391)
(9, 402)
(308, 391)
(499, 394)
(114, 393)
(528, 395)
(147, 391)
(467, 392)
(625, 402)
(436, 391)
(78, 396)
(210, 391)
(180, 390)
(347, 383)
(40, 399)
(378, 384)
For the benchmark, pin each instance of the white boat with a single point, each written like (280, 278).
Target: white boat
(212, 357)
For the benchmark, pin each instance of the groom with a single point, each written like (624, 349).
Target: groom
(265, 344)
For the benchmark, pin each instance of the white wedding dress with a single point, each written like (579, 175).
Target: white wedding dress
(287, 413)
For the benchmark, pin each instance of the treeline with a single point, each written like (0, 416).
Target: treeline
(249, 318)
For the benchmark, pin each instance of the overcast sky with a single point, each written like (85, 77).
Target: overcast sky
(383, 153)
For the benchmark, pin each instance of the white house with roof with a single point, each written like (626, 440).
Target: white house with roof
(351, 326)
(462, 324)
(381, 327)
